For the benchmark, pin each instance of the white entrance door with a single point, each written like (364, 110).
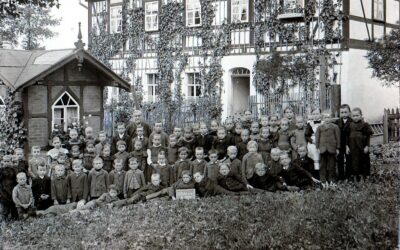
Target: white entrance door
(240, 90)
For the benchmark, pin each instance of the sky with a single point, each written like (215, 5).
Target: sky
(71, 13)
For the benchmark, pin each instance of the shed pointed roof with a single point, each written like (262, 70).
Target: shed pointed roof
(21, 68)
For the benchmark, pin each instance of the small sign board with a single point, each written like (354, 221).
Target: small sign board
(186, 194)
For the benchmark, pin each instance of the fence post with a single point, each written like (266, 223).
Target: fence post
(335, 99)
(323, 81)
(385, 127)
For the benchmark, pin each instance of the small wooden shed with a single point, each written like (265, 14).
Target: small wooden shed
(57, 87)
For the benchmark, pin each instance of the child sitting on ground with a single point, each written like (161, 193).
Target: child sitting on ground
(295, 176)
(206, 187)
(23, 197)
(98, 180)
(134, 178)
(105, 199)
(250, 160)
(59, 186)
(41, 187)
(141, 194)
(305, 162)
(77, 183)
(117, 177)
(185, 182)
(229, 180)
(263, 179)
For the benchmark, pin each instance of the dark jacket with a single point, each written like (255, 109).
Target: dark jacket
(297, 176)
(327, 138)
(77, 187)
(232, 182)
(8, 181)
(59, 189)
(98, 183)
(343, 126)
(267, 182)
(39, 187)
(207, 188)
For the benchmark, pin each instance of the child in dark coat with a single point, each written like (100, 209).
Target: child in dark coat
(305, 162)
(211, 169)
(107, 158)
(265, 144)
(77, 183)
(229, 180)
(344, 159)
(199, 164)
(98, 180)
(206, 187)
(134, 178)
(172, 149)
(41, 188)
(8, 180)
(242, 145)
(234, 163)
(117, 177)
(358, 139)
(182, 164)
(221, 143)
(274, 164)
(59, 186)
(204, 140)
(188, 140)
(250, 160)
(122, 154)
(327, 141)
(165, 170)
(121, 136)
(88, 156)
(263, 179)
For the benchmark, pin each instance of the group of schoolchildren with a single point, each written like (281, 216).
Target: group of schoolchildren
(139, 163)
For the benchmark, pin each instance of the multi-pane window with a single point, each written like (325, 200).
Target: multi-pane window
(378, 10)
(99, 11)
(65, 111)
(194, 85)
(135, 4)
(151, 16)
(152, 87)
(116, 19)
(220, 10)
(193, 13)
(293, 4)
(193, 41)
(240, 11)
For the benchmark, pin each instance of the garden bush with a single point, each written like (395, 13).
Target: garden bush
(353, 216)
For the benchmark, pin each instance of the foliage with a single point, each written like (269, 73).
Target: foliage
(384, 58)
(386, 153)
(32, 26)
(362, 216)
(12, 128)
(10, 8)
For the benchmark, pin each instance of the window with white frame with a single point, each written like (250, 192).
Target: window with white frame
(152, 87)
(220, 10)
(99, 11)
(240, 11)
(292, 5)
(133, 4)
(116, 19)
(65, 111)
(115, 1)
(378, 10)
(151, 16)
(194, 85)
(193, 13)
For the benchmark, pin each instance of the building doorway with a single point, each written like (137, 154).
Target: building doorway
(240, 90)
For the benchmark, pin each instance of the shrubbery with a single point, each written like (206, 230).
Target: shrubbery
(362, 216)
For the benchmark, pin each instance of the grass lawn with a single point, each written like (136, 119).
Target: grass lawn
(362, 216)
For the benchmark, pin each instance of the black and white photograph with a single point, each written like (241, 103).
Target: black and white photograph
(199, 124)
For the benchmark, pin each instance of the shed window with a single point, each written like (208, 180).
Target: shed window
(65, 111)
